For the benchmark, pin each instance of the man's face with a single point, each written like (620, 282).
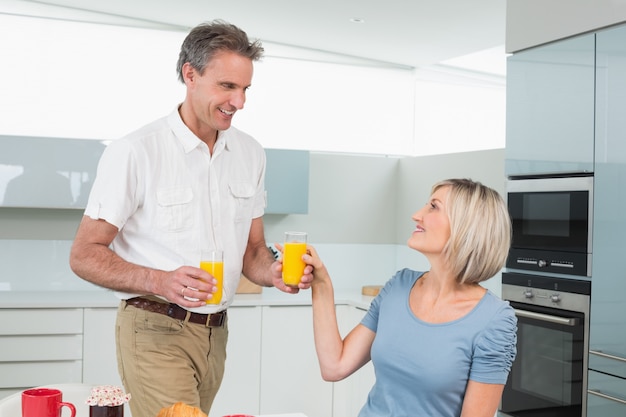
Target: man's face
(219, 92)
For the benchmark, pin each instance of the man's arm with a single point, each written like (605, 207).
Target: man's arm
(93, 260)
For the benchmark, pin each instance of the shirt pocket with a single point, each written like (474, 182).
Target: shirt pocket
(175, 209)
(242, 194)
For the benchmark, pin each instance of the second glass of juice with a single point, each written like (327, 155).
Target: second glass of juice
(213, 263)
(293, 265)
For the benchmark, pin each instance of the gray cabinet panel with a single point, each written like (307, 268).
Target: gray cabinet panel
(287, 181)
(58, 173)
(608, 309)
(607, 396)
(47, 172)
(550, 108)
(607, 388)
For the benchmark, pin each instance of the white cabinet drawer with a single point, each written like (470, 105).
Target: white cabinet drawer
(32, 374)
(41, 348)
(41, 321)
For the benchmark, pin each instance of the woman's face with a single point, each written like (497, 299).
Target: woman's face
(432, 229)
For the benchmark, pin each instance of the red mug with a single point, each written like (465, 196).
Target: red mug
(44, 402)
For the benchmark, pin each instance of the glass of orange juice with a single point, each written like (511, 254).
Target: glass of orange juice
(293, 265)
(213, 262)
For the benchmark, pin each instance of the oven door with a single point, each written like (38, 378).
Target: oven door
(546, 379)
(551, 213)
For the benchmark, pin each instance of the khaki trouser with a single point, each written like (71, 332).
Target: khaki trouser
(162, 360)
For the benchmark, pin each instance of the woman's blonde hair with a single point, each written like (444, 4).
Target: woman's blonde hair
(480, 230)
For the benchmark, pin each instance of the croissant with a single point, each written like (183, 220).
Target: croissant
(181, 410)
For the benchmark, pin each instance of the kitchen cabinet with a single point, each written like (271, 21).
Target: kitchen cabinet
(39, 346)
(287, 181)
(607, 395)
(350, 395)
(99, 356)
(550, 108)
(57, 173)
(271, 364)
(239, 392)
(99, 351)
(290, 375)
(47, 172)
(608, 310)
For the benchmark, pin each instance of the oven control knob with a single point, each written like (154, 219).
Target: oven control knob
(555, 298)
(528, 294)
(542, 263)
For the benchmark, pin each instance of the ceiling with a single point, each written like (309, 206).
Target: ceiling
(404, 33)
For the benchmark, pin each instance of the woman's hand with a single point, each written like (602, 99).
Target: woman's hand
(318, 269)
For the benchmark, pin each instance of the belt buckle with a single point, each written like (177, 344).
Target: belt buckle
(210, 316)
(171, 311)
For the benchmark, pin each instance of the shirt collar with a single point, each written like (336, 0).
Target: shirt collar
(188, 139)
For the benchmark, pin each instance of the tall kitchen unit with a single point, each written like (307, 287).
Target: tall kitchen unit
(607, 356)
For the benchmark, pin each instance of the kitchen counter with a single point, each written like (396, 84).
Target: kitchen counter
(106, 299)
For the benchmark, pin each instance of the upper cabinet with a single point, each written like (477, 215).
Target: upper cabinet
(47, 172)
(44, 172)
(550, 108)
(607, 341)
(287, 181)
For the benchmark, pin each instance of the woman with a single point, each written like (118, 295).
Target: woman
(441, 344)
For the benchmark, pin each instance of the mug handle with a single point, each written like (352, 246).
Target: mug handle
(70, 406)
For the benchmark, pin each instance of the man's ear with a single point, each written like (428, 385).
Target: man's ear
(189, 73)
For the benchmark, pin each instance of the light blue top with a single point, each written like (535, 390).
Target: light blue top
(422, 369)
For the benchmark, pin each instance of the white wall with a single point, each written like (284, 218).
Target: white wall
(535, 22)
(94, 81)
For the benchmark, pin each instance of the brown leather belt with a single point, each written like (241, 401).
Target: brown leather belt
(177, 312)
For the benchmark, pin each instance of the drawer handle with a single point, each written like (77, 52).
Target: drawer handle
(606, 355)
(606, 397)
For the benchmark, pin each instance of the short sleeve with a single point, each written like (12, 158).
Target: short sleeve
(495, 348)
(112, 196)
(396, 289)
(370, 320)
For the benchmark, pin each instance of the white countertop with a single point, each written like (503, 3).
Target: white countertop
(106, 299)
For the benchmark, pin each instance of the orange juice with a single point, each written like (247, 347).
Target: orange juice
(215, 268)
(293, 265)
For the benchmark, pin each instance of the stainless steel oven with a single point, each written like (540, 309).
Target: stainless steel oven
(552, 224)
(549, 374)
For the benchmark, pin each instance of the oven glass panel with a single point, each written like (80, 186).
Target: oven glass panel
(546, 214)
(546, 379)
(546, 358)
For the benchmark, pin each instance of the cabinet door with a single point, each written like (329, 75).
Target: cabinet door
(99, 357)
(39, 347)
(290, 377)
(239, 392)
(608, 310)
(287, 181)
(550, 108)
(350, 394)
(607, 395)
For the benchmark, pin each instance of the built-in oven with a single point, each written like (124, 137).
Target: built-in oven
(549, 375)
(552, 224)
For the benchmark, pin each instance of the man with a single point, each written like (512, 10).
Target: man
(185, 183)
